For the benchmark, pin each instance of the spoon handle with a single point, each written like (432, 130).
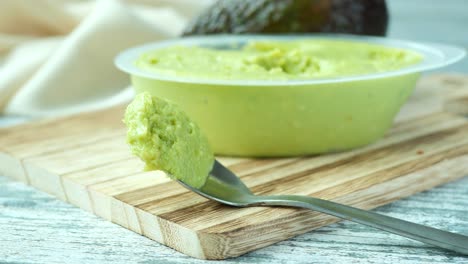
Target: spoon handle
(429, 235)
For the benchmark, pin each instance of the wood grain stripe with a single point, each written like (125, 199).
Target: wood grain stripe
(34, 132)
(440, 140)
(58, 145)
(144, 198)
(67, 162)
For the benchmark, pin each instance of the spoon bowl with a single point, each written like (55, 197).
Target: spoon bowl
(223, 186)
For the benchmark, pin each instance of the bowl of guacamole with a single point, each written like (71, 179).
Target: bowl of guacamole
(285, 95)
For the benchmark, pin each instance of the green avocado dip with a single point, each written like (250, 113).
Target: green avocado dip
(166, 139)
(277, 60)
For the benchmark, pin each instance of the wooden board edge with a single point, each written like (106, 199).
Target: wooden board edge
(12, 168)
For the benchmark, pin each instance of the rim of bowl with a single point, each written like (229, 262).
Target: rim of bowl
(435, 55)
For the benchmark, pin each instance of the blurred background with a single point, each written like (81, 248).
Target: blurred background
(46, 46)
(431, 20)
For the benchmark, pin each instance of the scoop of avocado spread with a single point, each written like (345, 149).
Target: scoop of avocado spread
(166, 139)
(277, 60)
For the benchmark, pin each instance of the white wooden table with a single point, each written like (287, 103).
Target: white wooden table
(37, 228)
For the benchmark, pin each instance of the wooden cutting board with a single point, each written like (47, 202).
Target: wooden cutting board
(83, 159)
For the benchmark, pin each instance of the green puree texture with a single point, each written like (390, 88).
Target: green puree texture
(277, 60)
(164, 137)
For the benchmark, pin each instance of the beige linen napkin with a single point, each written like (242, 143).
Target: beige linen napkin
(57, 55)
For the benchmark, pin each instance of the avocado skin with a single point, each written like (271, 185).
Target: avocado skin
(363, 17)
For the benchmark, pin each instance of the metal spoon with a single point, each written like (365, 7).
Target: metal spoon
(224, 186)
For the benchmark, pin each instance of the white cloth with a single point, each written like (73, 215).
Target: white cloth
(56, 56)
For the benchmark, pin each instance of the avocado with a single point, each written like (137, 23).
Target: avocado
(364, 17)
